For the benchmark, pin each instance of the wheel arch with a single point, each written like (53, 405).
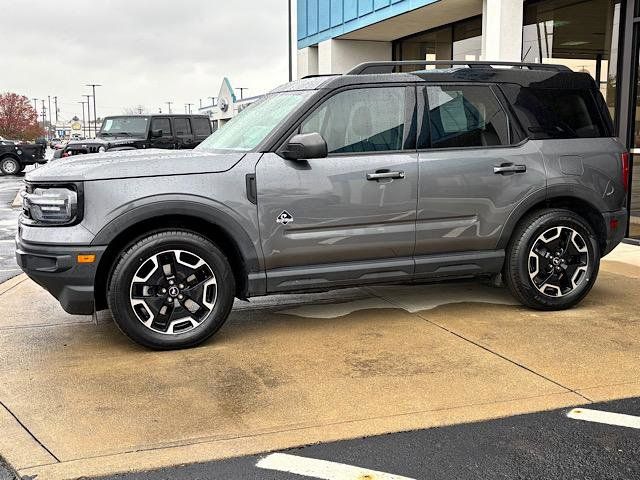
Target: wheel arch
(201, 219)
(585, 207)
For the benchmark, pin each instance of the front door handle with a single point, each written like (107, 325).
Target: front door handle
(507, 168)
(383, 174)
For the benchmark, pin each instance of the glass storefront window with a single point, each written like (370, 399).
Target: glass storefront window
(459, 41)
(582, 35)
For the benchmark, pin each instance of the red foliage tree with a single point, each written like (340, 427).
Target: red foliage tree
(18, 118)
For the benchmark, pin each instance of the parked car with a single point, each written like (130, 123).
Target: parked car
(14, 157)
(334, 181)
(58, 144)
(132, 132)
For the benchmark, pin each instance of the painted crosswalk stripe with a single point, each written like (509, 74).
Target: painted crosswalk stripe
(599, 416)
(312, 467)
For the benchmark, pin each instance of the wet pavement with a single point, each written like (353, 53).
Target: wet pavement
(79, 399)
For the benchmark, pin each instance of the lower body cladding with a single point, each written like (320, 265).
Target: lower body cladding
(61, 272)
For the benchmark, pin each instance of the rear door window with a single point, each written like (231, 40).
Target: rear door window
(557, 113)
(183, 126)
(463, 116)
(201, 127)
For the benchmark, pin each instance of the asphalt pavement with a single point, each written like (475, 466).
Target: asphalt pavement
(535, 446)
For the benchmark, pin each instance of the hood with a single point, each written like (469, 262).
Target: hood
(107, 142)
(133, 163)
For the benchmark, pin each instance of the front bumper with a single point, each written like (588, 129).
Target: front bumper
(619, 218)
(57, 271)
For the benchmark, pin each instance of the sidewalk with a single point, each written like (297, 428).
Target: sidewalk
(80, 399)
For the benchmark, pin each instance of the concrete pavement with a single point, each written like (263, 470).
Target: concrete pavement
(79, 399)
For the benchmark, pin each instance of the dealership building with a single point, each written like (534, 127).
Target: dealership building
(596, 36)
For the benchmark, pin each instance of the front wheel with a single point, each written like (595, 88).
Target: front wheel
(10, 166)
(171, 290)
(552, 260)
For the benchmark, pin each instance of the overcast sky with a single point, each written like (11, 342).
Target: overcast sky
(142, 51)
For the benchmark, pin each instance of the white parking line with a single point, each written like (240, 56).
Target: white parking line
(312, 467)
(610, 418)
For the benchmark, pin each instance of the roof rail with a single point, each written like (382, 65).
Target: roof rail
(390, 66)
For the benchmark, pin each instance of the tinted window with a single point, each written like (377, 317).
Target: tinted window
(361, 120)
(557, 113)
(201, 126)
(162, 124)
(183, 126)
(465, 116)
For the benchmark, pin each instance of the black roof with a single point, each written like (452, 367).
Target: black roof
(160, 115)
(526, 75)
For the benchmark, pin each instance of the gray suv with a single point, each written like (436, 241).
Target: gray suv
(376, 176)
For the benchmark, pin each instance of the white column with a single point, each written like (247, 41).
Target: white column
(340, 56)
(502, 30)
(307, 61)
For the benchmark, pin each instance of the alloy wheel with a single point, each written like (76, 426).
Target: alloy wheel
(173, 292)
(558, 261)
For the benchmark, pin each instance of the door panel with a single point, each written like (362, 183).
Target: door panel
(337, 214)
(463, 204)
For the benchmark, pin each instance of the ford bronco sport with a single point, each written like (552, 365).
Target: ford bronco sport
(332, 181)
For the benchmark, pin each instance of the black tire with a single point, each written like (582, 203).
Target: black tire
(519, 266)
(130, 262)
(10, 166)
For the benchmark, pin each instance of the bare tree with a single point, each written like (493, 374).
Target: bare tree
(136, 110)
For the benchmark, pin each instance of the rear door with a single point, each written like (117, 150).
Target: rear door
(350, 216)
(184, 134)
(473, 170)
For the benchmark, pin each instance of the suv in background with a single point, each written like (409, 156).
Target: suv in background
(132, 132)
(14, 157)
(335, 181)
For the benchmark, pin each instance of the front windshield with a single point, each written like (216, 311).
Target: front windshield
(124, 126)
(245, 131)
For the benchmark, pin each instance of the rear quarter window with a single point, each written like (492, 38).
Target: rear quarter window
(201, 126)
(558, 113)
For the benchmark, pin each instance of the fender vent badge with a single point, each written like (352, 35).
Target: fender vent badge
(284, 218)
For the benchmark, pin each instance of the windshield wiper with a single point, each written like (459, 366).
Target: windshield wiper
(124, 134)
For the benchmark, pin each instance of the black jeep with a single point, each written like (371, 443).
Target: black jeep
(15, 156)
(131, 132)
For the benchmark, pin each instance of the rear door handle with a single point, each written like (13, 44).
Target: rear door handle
(382, 174)
(509, 168)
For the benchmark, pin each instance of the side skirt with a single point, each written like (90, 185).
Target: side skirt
(393, 270)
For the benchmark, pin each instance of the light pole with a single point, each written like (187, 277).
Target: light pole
(44, 117)
(188, 106)
(95, 116)
(242, 89)
(55, 102)
(213, 101)
(84, 128)
(49, 100)
(88, 113)
(169, 103)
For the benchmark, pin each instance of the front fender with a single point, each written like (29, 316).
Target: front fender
(161, 206)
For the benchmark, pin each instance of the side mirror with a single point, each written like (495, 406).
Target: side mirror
(304, 146)
(156, 133)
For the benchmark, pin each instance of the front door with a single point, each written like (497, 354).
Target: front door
(350, 216)
(473, 172)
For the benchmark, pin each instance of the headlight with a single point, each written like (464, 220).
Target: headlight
(102, 149)
(50, 205)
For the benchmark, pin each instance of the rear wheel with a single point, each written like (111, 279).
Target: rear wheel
(171, 290)
(553, 260)
(10, 166)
